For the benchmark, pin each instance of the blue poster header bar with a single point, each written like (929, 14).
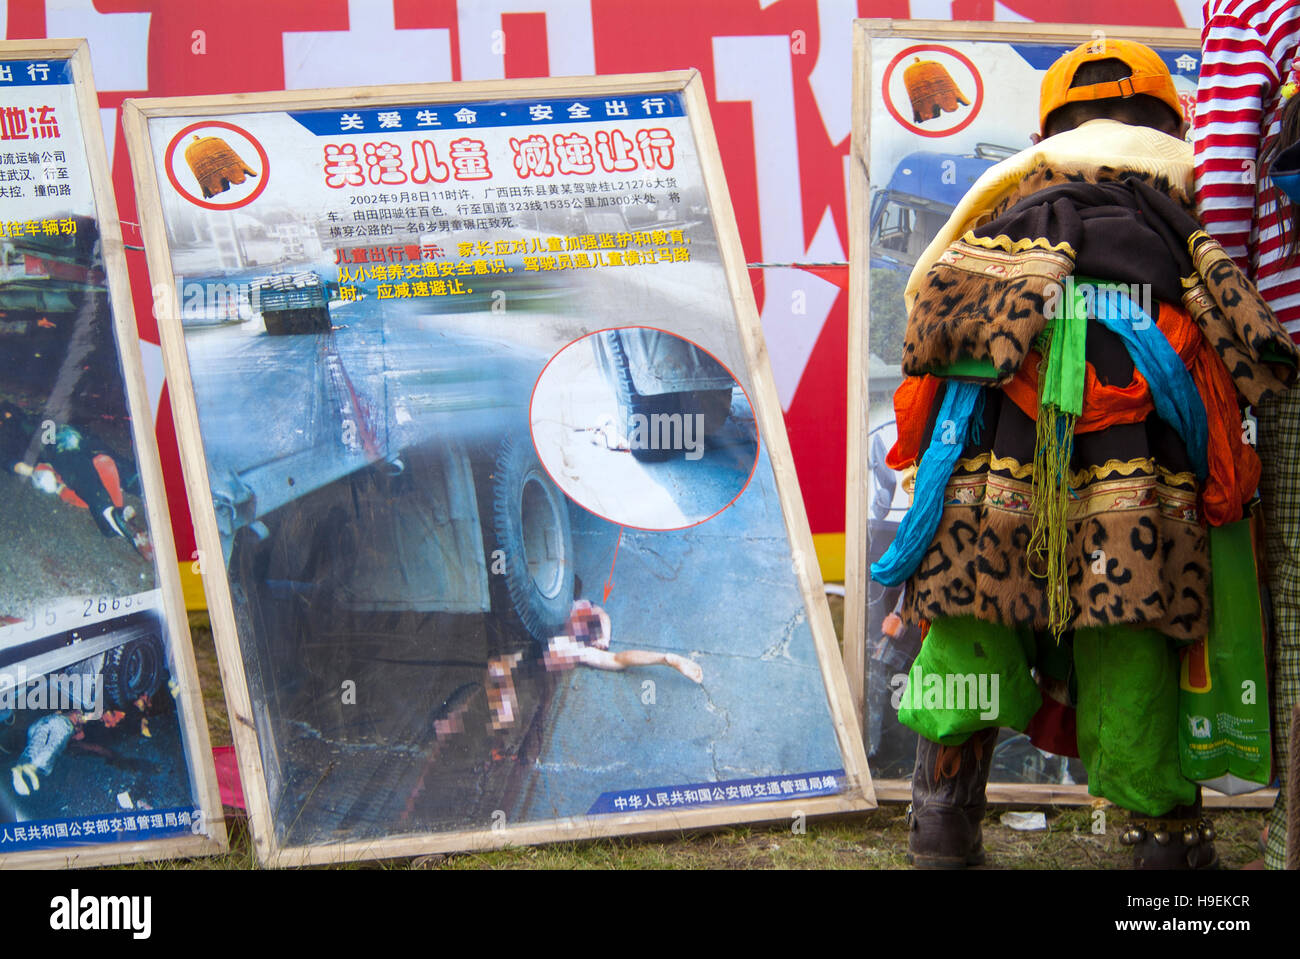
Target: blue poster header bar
(35, 73)
(1040, 56)
(130, 825)
(726, 792)
(478, 115)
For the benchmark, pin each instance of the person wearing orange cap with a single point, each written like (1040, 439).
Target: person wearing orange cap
(1129, 77)
(1076, 351)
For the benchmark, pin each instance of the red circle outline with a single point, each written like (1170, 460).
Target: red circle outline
(758, 440)
(171, 173)
(935, 48)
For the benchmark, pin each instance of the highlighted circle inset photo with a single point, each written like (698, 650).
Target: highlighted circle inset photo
(217, 165)
(644, 428)
(932, 90)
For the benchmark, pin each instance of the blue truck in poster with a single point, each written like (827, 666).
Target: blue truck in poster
(922, 191)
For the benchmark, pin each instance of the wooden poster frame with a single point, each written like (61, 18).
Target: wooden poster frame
(857, 507)
(859, 794)
(172, 608)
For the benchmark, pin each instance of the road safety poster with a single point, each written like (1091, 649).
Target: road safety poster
(486, 456)
(106, 754)
(936, 105)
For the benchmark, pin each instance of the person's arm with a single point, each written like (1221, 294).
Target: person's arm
(606, 629)
(1237, 80)
(616, 662)
(604, 659)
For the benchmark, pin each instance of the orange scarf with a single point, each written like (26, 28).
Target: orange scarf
(1234, 467)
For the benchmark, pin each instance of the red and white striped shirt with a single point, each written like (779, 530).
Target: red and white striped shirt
(1248, 48)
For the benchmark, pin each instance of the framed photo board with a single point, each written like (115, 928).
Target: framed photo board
(501, 534)
(106, 748)
(920, 140)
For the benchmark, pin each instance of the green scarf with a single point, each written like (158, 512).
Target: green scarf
(1060, 403)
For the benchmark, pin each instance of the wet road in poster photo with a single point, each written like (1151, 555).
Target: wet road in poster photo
(380, 701)
(51, 548)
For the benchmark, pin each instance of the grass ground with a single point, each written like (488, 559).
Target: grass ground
(875, 840)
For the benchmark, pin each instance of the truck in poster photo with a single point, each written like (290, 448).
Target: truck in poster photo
(472, 596)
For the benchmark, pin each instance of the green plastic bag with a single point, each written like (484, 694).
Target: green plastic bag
(969, 675)
(1223, 739)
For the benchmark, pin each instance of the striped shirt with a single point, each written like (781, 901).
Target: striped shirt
(1249, 47)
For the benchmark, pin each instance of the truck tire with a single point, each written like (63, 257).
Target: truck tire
(631, 403)
(132, 670)
(532, 574)
(274, 321)
(713, 405)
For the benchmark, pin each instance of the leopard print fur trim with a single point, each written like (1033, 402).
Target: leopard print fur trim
(1257, 381)
(1136, 555)
(1043, 176)
(984, 297)
(1238, 323)
(982, 304)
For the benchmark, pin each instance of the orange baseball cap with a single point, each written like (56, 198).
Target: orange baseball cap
(1150, 76)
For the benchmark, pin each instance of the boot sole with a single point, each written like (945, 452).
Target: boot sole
(1176, 865)
(946, 862)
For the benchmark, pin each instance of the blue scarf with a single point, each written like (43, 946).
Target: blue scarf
(946, 443)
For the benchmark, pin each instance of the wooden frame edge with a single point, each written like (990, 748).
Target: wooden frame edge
(52, 48)
(1047, 794)
(274, 101)
(857, 419)
(976, 30)
(569, 829)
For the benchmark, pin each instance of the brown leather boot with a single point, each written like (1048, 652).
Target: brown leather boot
(1181, 839)
(946, 817)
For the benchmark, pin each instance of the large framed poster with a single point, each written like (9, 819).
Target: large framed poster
(934, 106)
(106, 748)
(501, 535)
